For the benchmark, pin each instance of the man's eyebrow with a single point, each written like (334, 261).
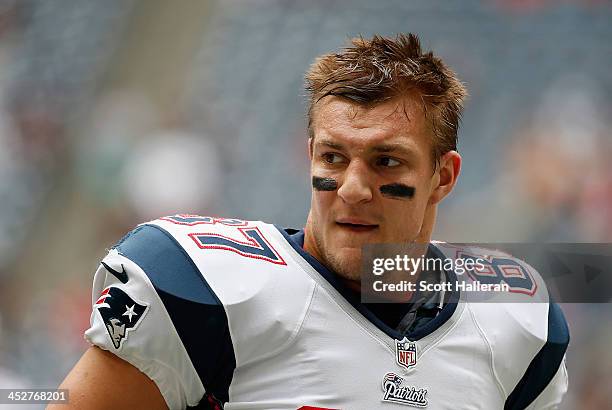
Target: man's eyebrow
(393, 147)
(380, 148)
(330, 144)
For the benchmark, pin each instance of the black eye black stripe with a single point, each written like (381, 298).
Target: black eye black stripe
(397, 190)
(324, 184)
(394, 190)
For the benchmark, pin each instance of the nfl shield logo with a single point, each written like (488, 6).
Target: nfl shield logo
(405, 353)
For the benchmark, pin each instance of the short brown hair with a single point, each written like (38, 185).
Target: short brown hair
(373, 71)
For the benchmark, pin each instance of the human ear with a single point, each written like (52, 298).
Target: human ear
(445, 176)
(310, 148)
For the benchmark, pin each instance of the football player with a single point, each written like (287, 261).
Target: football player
(200, 312)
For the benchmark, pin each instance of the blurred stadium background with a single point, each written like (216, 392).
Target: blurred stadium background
(113, 112)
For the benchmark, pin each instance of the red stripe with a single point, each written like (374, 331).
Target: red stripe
(314, 408)
(103, 296)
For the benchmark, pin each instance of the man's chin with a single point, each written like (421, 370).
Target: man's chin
(346, 262)
(349, 252)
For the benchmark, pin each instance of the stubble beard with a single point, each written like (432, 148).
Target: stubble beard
(347, 268)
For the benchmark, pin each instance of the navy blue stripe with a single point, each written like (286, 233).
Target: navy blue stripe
(544, 365)
(196, 312)
(449, 307)
(296, 240)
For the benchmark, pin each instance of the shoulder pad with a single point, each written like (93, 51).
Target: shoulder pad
(526, 332)
(249, 267)
(186, 331)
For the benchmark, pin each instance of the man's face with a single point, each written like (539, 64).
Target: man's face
(362, 149)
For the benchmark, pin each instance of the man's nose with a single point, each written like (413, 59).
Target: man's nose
(355, 187)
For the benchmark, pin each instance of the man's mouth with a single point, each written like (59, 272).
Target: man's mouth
(356, 225)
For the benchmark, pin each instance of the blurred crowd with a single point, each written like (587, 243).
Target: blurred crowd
(114, 112)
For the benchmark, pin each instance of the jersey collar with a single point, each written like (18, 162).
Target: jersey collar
(295, 238)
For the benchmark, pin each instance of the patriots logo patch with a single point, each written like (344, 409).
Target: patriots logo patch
(120, 313)
(397, 392)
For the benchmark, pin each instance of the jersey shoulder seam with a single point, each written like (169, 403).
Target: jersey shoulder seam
(500, 386)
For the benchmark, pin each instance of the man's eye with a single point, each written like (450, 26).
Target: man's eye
(332, 158)
(387, 162)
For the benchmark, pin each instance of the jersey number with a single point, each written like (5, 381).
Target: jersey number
(500, 269)
(248, 241)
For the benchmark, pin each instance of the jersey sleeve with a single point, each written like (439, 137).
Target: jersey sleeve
(552, 395)
(544, 382)
(153, 308)
(528, 343)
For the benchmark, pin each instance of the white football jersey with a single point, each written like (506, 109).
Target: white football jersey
(225, 313)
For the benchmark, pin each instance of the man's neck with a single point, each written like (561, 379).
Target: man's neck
(311, 248)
